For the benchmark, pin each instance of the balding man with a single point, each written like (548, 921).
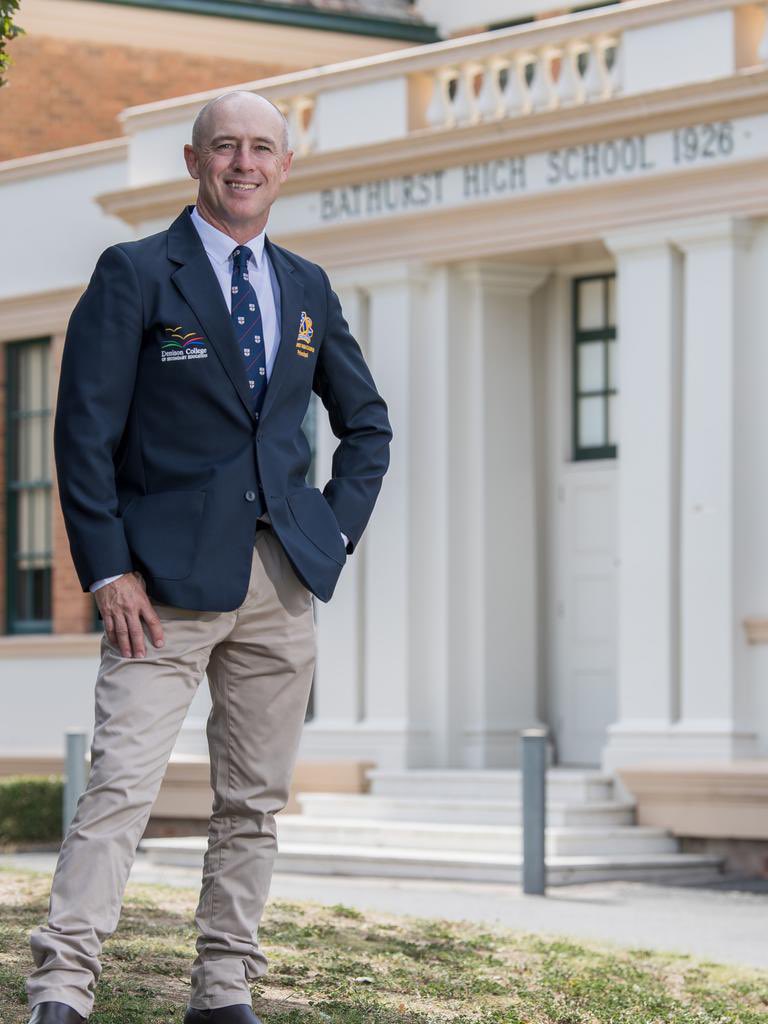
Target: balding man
(187, 372)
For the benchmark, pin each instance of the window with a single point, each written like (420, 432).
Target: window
(595, 370)
(28, 498)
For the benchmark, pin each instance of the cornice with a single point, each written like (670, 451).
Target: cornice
(430, 149)
(135, 206)
(382, 274)
(515, 279)
(714, 231)
(90, 155)
(37, 313)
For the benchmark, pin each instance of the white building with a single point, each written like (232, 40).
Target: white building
(551, 240)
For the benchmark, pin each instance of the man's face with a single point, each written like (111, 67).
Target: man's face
(240, 165)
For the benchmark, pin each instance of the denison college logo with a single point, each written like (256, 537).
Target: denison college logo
(178, 346)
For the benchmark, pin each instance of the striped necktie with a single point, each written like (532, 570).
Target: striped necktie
(246, 318)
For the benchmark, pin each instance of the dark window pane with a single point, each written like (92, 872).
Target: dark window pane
(595, 370)
(28, 493)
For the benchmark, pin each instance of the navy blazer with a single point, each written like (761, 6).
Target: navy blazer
(159, 457)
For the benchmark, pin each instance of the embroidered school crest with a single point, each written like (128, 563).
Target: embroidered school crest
(180, 345)
(304, 337)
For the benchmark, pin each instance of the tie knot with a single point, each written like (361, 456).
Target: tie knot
(240, 257)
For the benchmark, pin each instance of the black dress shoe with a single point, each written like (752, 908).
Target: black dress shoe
(240, 1013)
(55, 1013)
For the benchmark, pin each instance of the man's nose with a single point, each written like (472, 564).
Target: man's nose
(243, 158)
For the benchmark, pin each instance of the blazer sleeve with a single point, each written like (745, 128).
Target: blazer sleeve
(96, 385)
(358, 417)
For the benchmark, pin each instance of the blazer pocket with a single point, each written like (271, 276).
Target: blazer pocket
(162, 531)
(316, 520)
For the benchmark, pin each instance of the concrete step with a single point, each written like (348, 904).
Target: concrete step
(466, 811)
(326, 859)
(492, 839)
(564, 785)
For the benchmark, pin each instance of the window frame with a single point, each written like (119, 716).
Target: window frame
(18, 625)
(579, 336)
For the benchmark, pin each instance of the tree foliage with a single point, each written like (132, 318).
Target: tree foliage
(8, 31)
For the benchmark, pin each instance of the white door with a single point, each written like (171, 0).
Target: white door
(584, 683)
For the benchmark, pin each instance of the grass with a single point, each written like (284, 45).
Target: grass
(336, 964)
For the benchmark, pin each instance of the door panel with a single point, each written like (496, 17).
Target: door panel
(584, 689)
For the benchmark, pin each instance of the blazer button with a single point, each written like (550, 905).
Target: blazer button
(250, 495)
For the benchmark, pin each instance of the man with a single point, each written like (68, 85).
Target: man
(187, 371)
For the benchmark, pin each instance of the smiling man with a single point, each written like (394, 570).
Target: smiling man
(187, 371)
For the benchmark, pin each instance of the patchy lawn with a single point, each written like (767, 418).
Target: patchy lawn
(336, 964)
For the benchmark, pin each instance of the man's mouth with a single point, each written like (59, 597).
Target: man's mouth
(242, 186)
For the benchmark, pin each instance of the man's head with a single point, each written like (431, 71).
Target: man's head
(240, 156)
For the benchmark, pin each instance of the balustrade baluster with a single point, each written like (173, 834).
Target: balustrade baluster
(570, 84)
(301, 123)
(516, 93)
(543, 93)
(615, 72)
(595, 80)
(465, 104)
(440, 110)
(490, 101)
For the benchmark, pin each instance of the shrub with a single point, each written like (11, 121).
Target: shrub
(31, 808)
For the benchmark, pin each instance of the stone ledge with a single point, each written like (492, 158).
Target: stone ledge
(51, 645)
(186, 793)
(725, 801)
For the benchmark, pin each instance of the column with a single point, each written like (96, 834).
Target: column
(337, 698)
(493, 522)
(433, 527)
(713, 711)
(368, 632)
(649, 333)
(395, 292)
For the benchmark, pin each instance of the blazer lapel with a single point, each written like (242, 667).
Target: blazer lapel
(291, 303)
(197, 282)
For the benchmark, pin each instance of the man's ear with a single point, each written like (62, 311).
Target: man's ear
(285, 164)
(190, 159)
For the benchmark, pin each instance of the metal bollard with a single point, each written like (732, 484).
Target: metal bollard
(534, 778)
(74, 775)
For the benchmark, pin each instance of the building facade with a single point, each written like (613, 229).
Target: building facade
(551, 240)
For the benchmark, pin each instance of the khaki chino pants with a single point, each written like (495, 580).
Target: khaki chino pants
(259, 659)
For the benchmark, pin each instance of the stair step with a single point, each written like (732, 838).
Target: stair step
(466, 811)
(467, 838)
(564, 785)
(327, 859)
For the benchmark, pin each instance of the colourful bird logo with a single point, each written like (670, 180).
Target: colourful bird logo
(178, 340)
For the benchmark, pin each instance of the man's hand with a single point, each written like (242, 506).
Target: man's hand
(123, 604)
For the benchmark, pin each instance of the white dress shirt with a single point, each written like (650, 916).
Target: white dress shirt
(218, 248)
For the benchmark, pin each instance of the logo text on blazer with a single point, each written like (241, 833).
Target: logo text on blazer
(180, 345)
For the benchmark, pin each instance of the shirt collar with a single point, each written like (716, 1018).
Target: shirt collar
(219, 246)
